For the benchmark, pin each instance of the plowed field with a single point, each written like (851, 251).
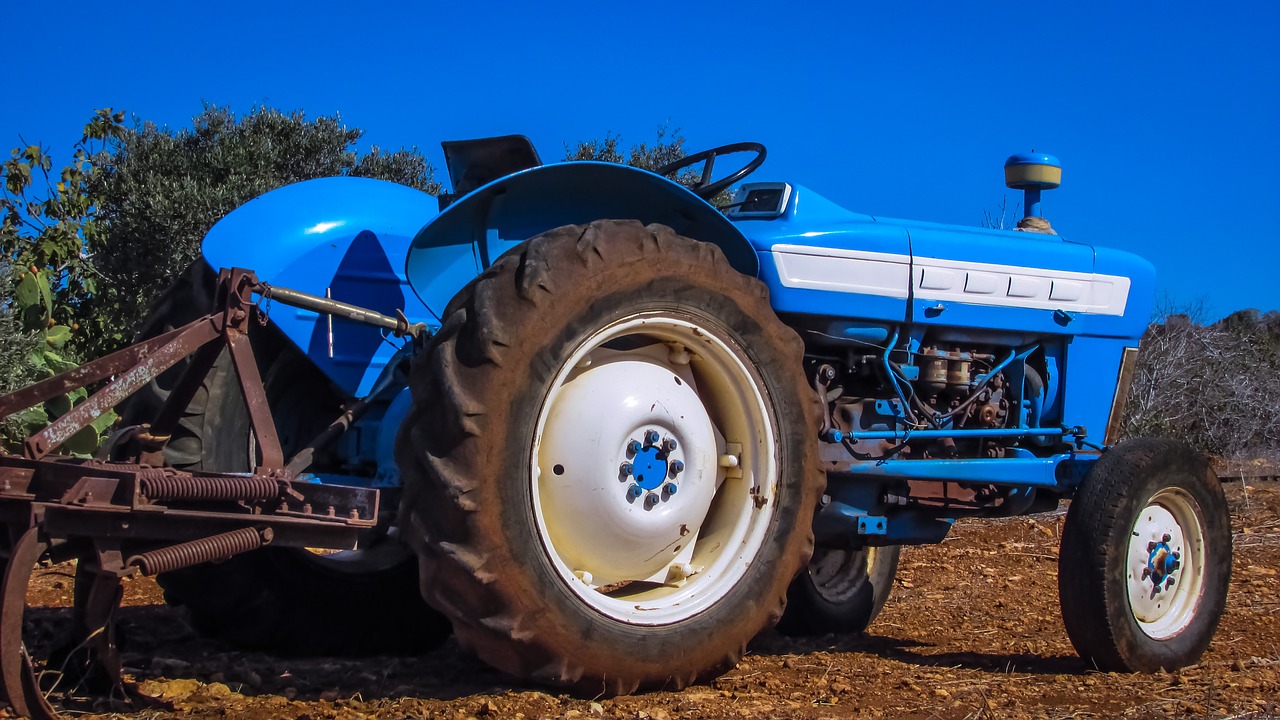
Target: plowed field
(972, 630)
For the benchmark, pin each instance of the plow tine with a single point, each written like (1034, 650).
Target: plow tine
(18, 682)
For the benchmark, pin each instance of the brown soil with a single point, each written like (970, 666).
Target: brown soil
(972, 630)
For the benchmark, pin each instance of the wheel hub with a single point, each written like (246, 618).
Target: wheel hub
(629, 457)
(1162, 562)
(1165, 564)
(653, 465)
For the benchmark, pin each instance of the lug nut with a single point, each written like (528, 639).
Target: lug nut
(651, 437)
(1177, 556)
(652, 499)
(671, 488)
(633, 447)
(668, 444)
(1166, 538)
(1146, 573)
(676, 468)
(634, 492)
(1151, 546)
(1168, 583)
(626, 469)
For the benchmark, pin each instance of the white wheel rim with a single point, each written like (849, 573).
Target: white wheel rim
(659, 557)
(1164, 589)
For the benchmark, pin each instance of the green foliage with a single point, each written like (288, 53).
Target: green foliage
(84, 252)
(666, 148)
(31, 344)
(47, 222)
(158, 191)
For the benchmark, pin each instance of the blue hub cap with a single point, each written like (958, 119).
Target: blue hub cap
(1162, 562)
(650, 467)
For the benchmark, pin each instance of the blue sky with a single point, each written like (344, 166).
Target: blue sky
(1165, 116)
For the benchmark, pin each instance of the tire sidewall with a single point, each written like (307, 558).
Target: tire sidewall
(1185, 471)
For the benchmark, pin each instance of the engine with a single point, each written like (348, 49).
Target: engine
(935, 386)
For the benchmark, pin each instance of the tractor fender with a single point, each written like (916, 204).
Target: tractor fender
(471, 233)
(342, 236)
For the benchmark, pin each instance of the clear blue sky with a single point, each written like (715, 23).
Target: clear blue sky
(1166, 116)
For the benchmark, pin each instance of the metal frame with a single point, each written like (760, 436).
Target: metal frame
(133, 516)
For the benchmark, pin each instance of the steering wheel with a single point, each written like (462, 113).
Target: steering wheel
(704, 188)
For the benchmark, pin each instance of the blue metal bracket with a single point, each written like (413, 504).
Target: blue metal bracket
(1034, 472)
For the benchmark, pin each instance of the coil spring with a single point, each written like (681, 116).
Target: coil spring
(169, 484)
(216, 547)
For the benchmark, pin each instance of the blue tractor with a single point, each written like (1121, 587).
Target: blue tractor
(633, 428)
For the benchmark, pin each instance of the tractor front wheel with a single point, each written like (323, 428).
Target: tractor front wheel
(1146, 558)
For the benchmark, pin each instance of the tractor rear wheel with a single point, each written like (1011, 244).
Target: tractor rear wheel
(285, 600)
(611, 467)
(841, 591)
(1146, 558)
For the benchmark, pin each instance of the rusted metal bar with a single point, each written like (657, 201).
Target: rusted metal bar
(255, 401)
(87, 374)
(17, 677)
(151, 364)
(180, 396)
(302, 459)
(399, 326)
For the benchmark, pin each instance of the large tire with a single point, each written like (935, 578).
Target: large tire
(284, 600)
(1150, 512)
(555, 562)
(841, 591)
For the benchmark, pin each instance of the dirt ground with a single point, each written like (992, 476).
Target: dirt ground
(972, 630)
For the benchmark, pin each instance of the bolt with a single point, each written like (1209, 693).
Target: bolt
(650, 437)
(634, 492)
(626, 469)
(1177, 556)
(671, 488)
(1168, 583)
(633, 447)
(676, 468)
(1146, 573)
(652, 499)
(1151, 547)
(1156, 589)
(1166, 538)
(668, 444)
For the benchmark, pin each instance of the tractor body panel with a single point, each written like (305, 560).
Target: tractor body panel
(342, 237)
(851, 277)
